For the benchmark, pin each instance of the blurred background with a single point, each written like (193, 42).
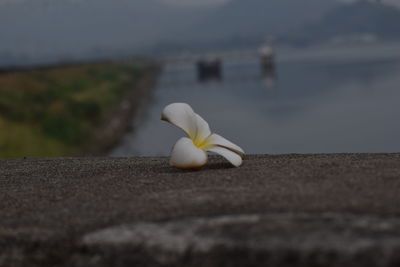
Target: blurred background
(91, 77)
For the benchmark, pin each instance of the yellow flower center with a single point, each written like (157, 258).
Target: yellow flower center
(202, 144)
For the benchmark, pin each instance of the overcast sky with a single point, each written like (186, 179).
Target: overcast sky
(72, 27)
(42, 27)
(189, 3)
(196, 2)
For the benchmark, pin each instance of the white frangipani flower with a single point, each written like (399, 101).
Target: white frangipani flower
(191, 153)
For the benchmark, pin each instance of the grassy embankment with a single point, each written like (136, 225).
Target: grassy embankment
(57, 111)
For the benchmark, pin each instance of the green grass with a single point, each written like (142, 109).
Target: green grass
(55, 112)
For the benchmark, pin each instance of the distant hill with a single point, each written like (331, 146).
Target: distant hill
(363, 17)
(249, 18)
(300, 22)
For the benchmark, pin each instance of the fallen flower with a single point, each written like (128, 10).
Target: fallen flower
(190, 153)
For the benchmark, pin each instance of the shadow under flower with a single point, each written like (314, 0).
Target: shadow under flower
(214, 163)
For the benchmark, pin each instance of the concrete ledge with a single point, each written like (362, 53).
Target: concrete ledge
(281, 210)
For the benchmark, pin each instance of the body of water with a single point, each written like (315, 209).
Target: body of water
(315, 105)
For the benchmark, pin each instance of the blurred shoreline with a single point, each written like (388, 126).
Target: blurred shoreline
(119, 121)
(70, 109)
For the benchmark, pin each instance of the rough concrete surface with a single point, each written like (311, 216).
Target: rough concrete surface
(275, 210)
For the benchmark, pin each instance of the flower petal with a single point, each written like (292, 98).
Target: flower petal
(231, 156)
(203, 130)
(182, 116)
(185, 155)
(217, 140)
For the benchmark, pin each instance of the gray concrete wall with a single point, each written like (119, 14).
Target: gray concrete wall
(281, 210)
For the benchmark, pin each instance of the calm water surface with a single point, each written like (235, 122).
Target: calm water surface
(315, 106)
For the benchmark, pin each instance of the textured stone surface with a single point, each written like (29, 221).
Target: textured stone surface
(281, 210)
(260, 240)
